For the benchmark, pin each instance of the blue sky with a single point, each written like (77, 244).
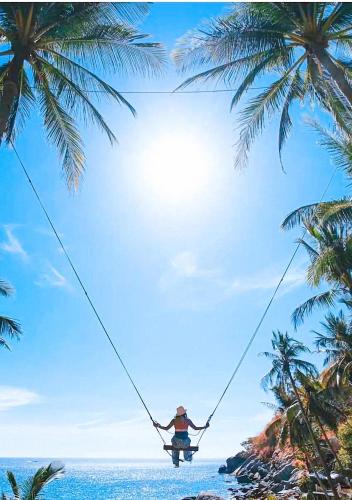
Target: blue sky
(180, 253)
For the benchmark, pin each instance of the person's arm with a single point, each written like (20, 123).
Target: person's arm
(166, 428)
(195, 427)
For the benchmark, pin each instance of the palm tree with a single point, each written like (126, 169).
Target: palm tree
(303, 42)
(336, 343)
(339, 211)
(287, 367)
(8, 327)
(330, 255)
(54, 51)
(286, 425)
(32, 488)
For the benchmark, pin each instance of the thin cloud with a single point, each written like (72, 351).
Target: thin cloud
(188, 284)
(184, 266)
(12, 397)
(104, 420)
(268, 280)
(12, 244)
(53, 279)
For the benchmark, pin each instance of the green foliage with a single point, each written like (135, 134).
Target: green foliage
(330, 254)
(60, 48)
(8, 326)
(336, 343)
(286, 362)
(298, 44)
(344, 435)
(32, 488)
(306, 484)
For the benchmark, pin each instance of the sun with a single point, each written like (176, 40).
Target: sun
(176, 168)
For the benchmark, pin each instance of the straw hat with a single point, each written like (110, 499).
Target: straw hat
(181, 411)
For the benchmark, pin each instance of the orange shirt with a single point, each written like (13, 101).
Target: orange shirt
(181, 424)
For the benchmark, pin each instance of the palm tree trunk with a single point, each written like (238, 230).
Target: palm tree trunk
(336, 73)
(317, 477)
(313, 438)
(9, 93)
(328, 441)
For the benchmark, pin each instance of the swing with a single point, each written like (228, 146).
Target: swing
(169, 447)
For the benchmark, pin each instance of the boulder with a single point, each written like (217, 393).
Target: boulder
(283, 474)
(232, 463)
(208, 496)
(222, 469)
(252, 466)
(263, 470)
(275, 488)
(340, 479)
(243, 479)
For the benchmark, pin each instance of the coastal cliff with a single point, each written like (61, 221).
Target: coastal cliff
(280, 476)
(258, 477)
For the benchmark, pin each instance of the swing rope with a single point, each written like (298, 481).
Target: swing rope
(84, 289)
(105, 331)
(266, 310)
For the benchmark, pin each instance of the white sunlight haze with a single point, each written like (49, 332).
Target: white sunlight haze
(176, 168)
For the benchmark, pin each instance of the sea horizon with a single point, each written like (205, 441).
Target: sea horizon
(122, 479)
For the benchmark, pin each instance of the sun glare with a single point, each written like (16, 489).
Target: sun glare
(176, 168)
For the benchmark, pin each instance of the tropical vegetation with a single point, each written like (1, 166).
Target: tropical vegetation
(312, 414)
(8, 326)
(299, 49)
(287, 369)
(52, 55)
(32, 489)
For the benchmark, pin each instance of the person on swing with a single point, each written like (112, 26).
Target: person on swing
(181, 440)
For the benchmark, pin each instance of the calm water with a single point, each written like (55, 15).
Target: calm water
(123, 480)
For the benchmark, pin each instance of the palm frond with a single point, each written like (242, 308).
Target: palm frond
(325, 299)
(45, 475)
(64, 20)
(238, 35)
(313, 254)
(21, 109)
(252, 118)
(5, 288)
(117, 48)
(338, 212)
(251, 28)
(14, 486)
(340, 148)
(75, 98)
(63, 133)
(84, 77)
(306, 368)
(322, 266)
(300, 215)
(9, 327)
(296, 91)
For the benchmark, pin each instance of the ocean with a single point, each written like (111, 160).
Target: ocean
(122, 479)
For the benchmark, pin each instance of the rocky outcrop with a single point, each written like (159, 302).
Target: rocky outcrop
(233, 463)
(259, 478)
(204, 496)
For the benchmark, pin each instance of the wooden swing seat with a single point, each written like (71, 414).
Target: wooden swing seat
(169, 447)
